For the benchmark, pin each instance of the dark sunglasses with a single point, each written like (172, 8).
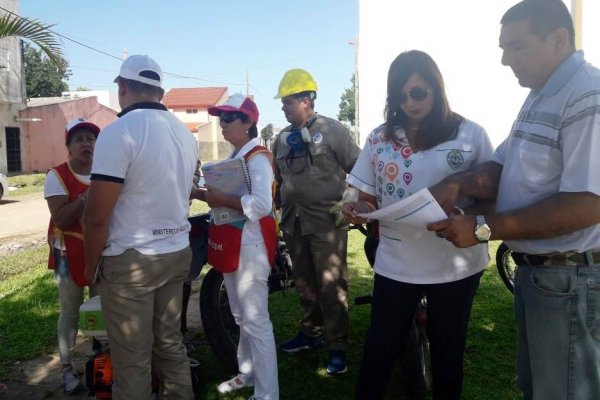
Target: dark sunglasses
(417, 94)
(230, 117)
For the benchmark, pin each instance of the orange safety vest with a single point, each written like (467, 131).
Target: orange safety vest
(72, 236)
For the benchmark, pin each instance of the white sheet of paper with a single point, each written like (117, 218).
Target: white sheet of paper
(419, 209)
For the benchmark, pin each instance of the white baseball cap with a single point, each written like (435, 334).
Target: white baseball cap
(143, 69)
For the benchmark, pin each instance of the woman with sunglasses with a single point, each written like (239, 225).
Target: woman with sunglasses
(247, 286)
(421, 142)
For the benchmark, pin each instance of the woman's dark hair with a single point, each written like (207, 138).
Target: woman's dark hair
(69, 137)
(441, 124)
(253, 131)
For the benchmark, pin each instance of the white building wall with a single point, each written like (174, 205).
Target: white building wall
(105, 97)
(200, 117)
(462, 37)
(11, 85)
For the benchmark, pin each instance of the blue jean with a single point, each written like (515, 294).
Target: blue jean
(558, 320)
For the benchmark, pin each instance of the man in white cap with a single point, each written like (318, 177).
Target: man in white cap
(136, 232)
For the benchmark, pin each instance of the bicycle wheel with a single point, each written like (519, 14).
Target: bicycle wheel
(218, 323)
(506, 266)
(426, 360)
(414, 366)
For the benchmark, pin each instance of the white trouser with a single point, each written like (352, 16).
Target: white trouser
(248, 293)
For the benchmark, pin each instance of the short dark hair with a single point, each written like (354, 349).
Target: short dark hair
(141, 88)
(545, 17)
(441, 124)
(310, 95)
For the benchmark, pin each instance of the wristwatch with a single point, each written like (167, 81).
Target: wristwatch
(482, 230)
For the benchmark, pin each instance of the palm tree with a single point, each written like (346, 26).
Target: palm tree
(37, 32)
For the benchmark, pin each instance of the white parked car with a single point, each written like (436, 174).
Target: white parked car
(3, 185)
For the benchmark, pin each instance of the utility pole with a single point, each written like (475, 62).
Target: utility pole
(247, 83)
(124, 54)
(577, 14)
(356, 114)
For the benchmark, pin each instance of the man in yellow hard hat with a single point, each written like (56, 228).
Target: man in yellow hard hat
(312, 157)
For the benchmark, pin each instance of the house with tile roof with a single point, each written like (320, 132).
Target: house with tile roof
(190, 105)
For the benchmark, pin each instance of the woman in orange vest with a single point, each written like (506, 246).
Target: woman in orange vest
(65, 190)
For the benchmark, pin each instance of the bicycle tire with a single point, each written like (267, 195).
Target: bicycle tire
(414, 366)
(425, 353)
(506, 266)
(218, 323)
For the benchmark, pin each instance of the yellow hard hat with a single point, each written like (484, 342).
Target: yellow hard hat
(296, 81)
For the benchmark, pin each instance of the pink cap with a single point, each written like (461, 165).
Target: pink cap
(81, 123)
(237, 103)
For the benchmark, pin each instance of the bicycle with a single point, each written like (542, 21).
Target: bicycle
(416, 358)
(506, 266)
(222, 332)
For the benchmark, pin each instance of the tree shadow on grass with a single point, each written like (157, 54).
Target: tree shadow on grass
(28, 315)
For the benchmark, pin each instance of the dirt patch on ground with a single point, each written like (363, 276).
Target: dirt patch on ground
(24, 225)
(14, 244)
(39, 378)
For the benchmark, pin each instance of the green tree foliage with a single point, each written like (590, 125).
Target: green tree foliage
(43, 78)
(348, 105)
(37, 32)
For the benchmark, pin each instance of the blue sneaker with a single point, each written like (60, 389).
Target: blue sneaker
(337, 363)
(301, 342)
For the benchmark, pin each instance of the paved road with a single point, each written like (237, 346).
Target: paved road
(23, 215)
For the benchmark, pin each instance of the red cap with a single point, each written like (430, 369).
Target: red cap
(237, 103)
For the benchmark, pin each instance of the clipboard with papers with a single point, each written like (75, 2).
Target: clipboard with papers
(231, 177)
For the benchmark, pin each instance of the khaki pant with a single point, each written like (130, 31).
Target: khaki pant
(321, 280)
(141, 305)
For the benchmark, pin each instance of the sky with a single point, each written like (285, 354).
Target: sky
(462, 37)
(213, 43)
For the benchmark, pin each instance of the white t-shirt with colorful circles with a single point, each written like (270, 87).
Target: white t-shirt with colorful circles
(392, 172)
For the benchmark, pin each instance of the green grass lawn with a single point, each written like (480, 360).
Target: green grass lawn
(29, 310)
(26, 184)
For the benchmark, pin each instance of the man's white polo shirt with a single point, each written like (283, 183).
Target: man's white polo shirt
(154, 156)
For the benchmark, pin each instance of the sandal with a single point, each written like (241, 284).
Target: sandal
(234, 383)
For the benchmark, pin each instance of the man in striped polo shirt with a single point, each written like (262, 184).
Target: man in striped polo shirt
(545, 179)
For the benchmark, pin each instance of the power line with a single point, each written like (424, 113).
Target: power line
(62, 36)
(173, 75)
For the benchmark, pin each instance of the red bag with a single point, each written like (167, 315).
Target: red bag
(224, 243)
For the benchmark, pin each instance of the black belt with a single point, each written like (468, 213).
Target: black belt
(570, 258)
